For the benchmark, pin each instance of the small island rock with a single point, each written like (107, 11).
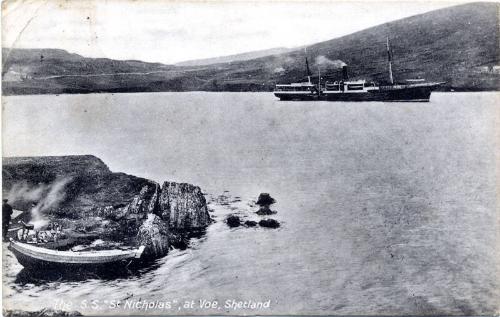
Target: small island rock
(233, 221)
(264, 211)
(265, 201)
(269, 223)
(250, 223)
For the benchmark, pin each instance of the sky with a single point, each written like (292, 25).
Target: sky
(173, 31)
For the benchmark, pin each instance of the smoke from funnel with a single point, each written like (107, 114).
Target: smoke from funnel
(324, 61)
(279, 70)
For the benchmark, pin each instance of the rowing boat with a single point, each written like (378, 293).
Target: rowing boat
(32, 256)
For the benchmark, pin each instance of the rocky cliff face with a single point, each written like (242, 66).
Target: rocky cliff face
(183, 205)
(153, 234)
(83, 194)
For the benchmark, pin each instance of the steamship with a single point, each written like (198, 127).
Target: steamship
(357, 90)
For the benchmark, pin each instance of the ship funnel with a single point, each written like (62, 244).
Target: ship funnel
(344, 73)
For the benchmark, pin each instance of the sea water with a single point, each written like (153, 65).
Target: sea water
(385, 208)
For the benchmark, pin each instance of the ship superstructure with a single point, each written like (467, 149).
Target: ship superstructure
(298, 91)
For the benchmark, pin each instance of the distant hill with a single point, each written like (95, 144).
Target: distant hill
(459, 45)
(236, 57)
(33, 71)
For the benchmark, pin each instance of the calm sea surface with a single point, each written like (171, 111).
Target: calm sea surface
(386, 208)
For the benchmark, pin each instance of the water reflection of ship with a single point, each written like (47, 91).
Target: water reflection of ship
(357, 90)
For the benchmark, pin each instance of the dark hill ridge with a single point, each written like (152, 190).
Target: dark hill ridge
(81, 193)
(459, 45)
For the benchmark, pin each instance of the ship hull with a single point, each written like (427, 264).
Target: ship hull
(295, 96)
(418, 94)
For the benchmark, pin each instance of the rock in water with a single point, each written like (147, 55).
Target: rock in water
(265, 210)
(153, 234)
(250, 223)
(269, 223)
(233, 221)
(184, 206)
(265, 200)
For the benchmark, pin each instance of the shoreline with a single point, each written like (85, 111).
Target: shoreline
(208, 92)
(88, 200)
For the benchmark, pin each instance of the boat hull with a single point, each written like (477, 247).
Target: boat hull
(418, 94)
(32, 264)
(36, 258)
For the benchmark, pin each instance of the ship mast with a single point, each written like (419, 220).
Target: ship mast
(308, 71)
(319, 78)
(389, 57)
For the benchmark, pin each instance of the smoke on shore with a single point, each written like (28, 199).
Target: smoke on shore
(45, 196)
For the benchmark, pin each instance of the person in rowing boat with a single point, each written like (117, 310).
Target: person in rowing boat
(6, 217)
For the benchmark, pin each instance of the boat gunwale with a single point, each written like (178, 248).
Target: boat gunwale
(72, 257)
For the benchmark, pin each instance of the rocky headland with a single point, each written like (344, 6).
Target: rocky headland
(87, 199)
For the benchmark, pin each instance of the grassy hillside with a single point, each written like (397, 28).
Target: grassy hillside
(46, 62)
(459, 45)
(235, 57)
